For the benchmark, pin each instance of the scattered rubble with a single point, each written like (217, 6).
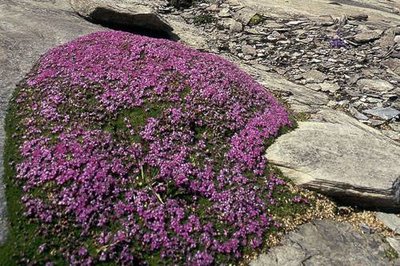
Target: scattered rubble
(354, 62)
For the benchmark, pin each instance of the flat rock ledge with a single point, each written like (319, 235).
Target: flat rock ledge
(128, 13)
(340, 157)
(325, 242)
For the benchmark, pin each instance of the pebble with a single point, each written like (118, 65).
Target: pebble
(329, 87)
(314, 76)
(249, 50)
(357, 114)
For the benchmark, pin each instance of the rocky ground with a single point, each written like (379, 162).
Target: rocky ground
(353, 61)
(335, 63)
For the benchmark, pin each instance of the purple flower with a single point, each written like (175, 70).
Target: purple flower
(147, 147)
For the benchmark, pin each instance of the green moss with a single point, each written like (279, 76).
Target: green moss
(301, 116)
(391, 253)
(203, 19)
(23, 239)
(256, 19)
(137, 117)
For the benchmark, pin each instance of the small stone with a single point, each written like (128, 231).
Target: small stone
(373, 100)
(390, 220)
(325, 21)
(397, 39)
(245, 15)
(329, 87)
(314, 76)
(385, 113)
(375, 85)
(314, 86)
(249, 50)
(213, 8)
(274, 36)
(294, 23)
(366, 229)
(357, 114)
(376, 123)
(359, 17)
(236, 27)
(232, 25)
(387, 39)
(224, 13)
(395, 126)
(332, 103)
(366, 35)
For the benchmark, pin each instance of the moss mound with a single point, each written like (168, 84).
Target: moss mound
(128, 149)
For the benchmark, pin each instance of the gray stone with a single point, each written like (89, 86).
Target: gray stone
(245, 15)
(249, 50)
(128, 13)
(357, 114)
(326, 242)
(329, 87)
(377, 85)
(236, 27)
(232, 25)
(314, 76)
(386, 113)
(367, 35)
(388, 39)
(340, 157)
(390, 220)
(274, 36)
(224, 13)
(294, 23)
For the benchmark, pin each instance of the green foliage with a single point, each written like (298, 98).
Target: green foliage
(203, 19)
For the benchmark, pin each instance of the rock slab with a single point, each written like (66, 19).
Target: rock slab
(340, 157)
(326, 242)
(128, 13)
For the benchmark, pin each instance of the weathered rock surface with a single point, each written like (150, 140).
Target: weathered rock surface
(326, 242)
(128, 13)
(343, 158)
(390, 220)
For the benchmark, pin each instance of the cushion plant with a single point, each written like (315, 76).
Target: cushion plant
(129, 149)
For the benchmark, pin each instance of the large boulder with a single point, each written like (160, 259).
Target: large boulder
(127, 13)
(326, 242)
(343, 158)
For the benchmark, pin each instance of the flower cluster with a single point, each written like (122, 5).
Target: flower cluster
(153, 151)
